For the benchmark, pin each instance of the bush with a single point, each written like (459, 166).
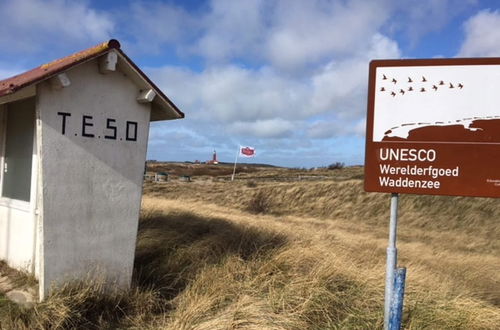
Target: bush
(251, 184)
(259, 203)
(336, 166)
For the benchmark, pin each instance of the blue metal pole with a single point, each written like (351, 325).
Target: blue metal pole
(392, 259)
(396, 313)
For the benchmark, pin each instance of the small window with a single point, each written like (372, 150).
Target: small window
(19, 130)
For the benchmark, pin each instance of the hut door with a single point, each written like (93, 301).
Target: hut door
(18, 155)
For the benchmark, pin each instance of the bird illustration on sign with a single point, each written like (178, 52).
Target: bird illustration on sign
(434, 86)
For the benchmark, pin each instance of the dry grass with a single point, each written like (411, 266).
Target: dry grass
(19, 279)
(179, 169)
(315, 259)
(322, 276)
(85, 305)
(259, 203)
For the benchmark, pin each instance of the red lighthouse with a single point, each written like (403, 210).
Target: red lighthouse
(214, 159)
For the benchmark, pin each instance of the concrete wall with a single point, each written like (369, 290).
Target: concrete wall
(17, 218)
(91, 178)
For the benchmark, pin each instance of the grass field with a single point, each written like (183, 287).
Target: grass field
(289, 249)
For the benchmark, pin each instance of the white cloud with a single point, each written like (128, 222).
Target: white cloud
(294, 32)
(179, 83)
(482, 35)
(289, 35)
(325, 129)
(334, 127)
(274, 73)
(341, 86)
(32, 25)
(231, 93)
(175, 135)
(235, 93)
(232, 28)
(360, 127)
(152, 24)
(266, 103)
(415, 19)
(309, 31)
(268, 128)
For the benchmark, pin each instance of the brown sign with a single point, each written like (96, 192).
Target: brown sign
(433, 127)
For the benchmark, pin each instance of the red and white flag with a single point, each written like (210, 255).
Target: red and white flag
(247, 151)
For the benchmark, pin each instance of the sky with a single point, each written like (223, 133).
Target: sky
(287, 77)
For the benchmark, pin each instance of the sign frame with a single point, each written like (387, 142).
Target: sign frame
(464, 168)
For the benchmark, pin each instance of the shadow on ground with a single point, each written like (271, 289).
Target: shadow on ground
(173, 248)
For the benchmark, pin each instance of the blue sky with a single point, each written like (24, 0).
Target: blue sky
(288, 77)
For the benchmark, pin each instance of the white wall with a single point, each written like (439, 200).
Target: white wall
(91, 186)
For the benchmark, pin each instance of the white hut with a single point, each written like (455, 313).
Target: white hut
(73, 139)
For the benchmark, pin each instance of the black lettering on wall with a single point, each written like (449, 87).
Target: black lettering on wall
(110, 121)
(86, 123)
(111, 129)
(64, 115)
(131, 136)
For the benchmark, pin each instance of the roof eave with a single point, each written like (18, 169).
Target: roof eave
(162, 107)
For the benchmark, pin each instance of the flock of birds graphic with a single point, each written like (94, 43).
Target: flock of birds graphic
(435, 87)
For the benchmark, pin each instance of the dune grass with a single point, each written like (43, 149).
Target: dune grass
(314, 258)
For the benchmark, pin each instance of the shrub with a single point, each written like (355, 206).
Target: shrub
(336, 166)
(251, 184)
(259, 203)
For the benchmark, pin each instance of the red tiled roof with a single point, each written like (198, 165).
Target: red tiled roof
(13, 84)
(45, 71)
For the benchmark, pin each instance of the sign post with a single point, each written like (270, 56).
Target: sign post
(392, 259)
(433, 128)
(396, 311)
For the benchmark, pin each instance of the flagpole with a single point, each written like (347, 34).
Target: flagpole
(235, 160)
